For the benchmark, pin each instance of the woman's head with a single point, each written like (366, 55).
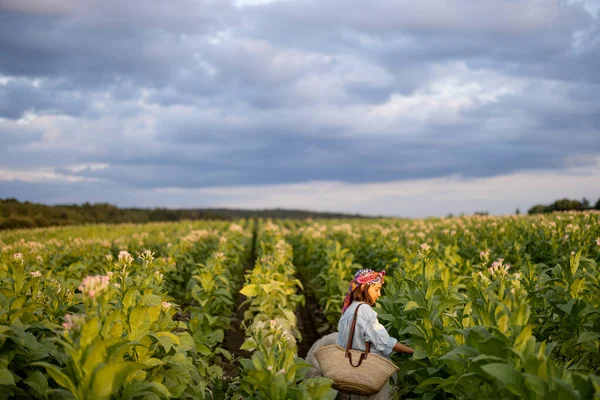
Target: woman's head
(369, 293)
(365, 286)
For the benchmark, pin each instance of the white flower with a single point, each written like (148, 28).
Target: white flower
(165, 306)
(35, 274)
(18, 257)
(125, 258)
(158, 276)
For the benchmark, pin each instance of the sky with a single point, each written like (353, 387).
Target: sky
(379, 107)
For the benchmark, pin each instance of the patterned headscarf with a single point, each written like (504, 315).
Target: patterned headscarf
(362, 277)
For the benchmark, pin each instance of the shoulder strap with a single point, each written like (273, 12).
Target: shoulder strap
(364, 355)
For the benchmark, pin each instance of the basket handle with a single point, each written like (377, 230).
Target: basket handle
(363, 356)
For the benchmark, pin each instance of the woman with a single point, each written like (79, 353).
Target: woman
(364, 288)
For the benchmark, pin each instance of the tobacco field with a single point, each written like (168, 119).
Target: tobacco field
(495, 307)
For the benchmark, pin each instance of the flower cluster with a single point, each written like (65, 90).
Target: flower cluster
(485, 256)
(125, 259)
(92, 286)
(498, 267)
(195, 236)
(424, 250)
(18, 258)
(236, 228)
(147, 257)
(72, 322)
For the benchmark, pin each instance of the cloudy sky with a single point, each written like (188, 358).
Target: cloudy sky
(387, 107)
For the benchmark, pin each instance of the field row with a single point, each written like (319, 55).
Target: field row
(495, 307)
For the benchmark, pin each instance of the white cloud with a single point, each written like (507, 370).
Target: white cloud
(86, 167)
(41, 175)
(415, 198)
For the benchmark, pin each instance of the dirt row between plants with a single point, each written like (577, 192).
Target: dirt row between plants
(234, 338)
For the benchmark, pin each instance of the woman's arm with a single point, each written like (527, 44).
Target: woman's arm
(400, 348)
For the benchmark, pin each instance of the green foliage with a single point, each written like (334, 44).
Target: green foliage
(81, 318)
(274, 371)
(523, 326)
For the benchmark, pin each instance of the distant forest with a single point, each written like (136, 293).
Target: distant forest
(15, 214)
(564, 205)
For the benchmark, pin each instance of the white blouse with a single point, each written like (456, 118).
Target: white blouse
(368, 329)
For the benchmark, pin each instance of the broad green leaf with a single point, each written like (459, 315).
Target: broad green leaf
(576, 287)
(411, 305)
(588, 337)
(110, 377)
(56, 373)
(249, 291)
(507, 375)
(6, 377)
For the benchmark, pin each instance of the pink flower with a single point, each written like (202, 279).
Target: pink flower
(598, 241)
(92, 286)
(35, 274)
(72, 321)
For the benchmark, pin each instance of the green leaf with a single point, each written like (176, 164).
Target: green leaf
(588, 337)
(110, 377)
(575, 262)
(37, 381)
(56, 373)
(576, 287)
(431, 381)
(419, 354)
(523, 337)
(411, 305)
(90, 332)
(522, 315)
(507, 375)
(249, 290)
(567, 308)
(202, 349)
(6, 377)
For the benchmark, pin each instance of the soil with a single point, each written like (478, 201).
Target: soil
(235, 337)
(310, 320)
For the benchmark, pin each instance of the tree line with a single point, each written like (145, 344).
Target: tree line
(15, 214)
(564, 205)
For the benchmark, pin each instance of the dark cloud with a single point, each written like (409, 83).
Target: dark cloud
(198, 94)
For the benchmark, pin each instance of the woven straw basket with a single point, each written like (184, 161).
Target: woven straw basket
(354, 371)
(365, 380)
